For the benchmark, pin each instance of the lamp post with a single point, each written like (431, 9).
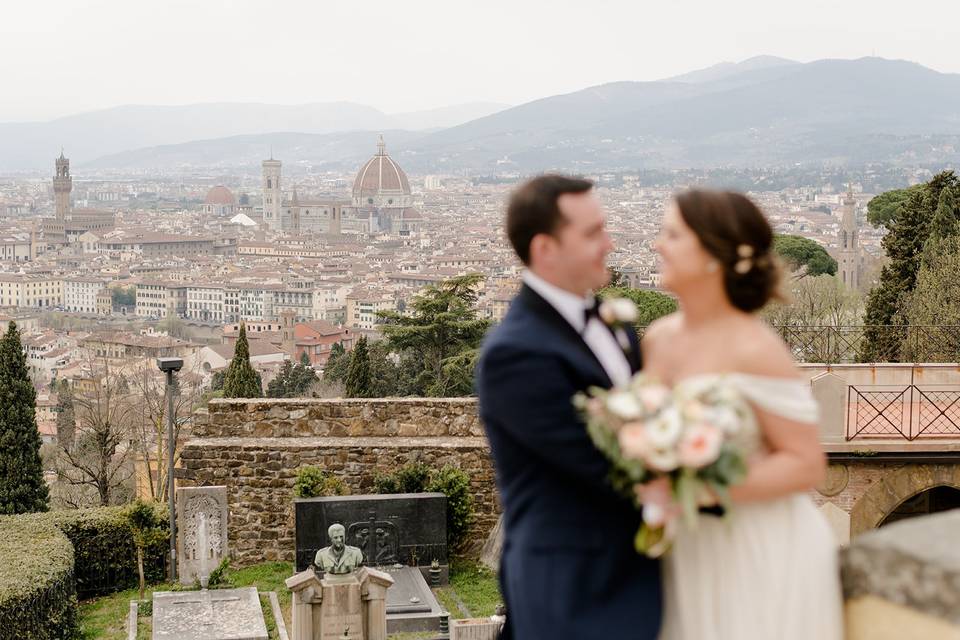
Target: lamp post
(170, 366)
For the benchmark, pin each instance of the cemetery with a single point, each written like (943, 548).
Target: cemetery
(313, 520)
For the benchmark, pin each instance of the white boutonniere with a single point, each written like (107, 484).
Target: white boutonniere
(617, 312)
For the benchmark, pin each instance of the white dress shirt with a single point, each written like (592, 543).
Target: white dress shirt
(597, 336)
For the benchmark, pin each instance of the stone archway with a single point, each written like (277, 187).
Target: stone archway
(896, 486)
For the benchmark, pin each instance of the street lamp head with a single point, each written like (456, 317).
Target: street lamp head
(169, 364)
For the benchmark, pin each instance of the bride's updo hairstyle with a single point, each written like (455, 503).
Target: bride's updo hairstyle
(735, 232)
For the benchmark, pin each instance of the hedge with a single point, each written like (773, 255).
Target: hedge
(37, 590)
(105, 556)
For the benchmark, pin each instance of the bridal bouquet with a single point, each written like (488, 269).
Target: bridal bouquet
(672, 450)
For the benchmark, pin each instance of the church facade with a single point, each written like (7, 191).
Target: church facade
(381, 202)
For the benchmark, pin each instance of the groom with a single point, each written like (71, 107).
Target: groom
(568, 570)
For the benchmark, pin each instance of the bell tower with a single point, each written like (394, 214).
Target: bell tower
(62, 186)
(272, 195)
(848, 243)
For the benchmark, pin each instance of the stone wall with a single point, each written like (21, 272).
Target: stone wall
(869, 491)
(255, 447)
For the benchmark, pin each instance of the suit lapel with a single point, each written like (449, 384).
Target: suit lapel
(545, 311)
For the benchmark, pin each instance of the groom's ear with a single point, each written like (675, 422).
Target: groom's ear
(543, 246)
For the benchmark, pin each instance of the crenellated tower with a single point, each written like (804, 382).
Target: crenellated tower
(62, 186)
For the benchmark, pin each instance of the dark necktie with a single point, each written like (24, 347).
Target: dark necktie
(592, 311)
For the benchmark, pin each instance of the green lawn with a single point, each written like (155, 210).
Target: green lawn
(104, 618)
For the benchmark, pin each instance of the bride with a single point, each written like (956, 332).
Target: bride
(770, 569)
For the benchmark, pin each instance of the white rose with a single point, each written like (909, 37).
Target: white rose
(724, 418)
(624, 404)
(618, 311)
(665, 429)
(664, 460)
(653, 396)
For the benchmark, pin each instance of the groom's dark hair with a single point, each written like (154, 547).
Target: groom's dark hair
(533, 209)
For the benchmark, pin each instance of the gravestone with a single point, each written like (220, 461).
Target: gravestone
(339, 607)
(196, 505)
(408, 528)
(221, 614)
(411, 605)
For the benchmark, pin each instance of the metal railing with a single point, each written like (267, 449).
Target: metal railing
(902, 411)
(826, 344)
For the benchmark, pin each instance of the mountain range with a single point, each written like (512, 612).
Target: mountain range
(763, 111)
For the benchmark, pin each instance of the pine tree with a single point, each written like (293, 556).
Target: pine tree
(357, 384)
(241, 381)
(441, 324)
(280, 386)
(303, 376)
(22, 487)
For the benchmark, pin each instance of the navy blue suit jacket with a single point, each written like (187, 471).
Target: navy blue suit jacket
(569, 569)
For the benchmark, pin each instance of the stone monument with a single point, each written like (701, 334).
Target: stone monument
(227, 614)
(349, 606)
(196, 505)
(403, 536)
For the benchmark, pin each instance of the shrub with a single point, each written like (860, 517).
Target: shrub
(37, 591)
(314, 482)
(410, 478)
(448, 480)
(455, 484)
(148, 531)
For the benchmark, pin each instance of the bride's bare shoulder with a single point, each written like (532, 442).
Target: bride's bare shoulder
(759, 350)
(662, 328)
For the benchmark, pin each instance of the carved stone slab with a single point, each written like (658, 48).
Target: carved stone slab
(218, 614)
(211, 502)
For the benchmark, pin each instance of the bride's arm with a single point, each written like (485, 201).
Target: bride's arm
(794, 461)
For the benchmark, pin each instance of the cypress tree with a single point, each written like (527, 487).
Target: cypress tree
(22, 487)
(944, 223)
(241, 381)
(918, 219)
(66, 418)
(357, 384)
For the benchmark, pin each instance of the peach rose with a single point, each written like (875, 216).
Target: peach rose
(634, 443)
(700, 445)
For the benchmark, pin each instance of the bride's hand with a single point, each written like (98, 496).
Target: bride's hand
(656, 496)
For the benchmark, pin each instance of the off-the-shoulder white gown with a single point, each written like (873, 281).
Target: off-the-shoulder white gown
(769, 571)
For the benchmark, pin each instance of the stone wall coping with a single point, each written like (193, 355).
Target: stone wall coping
(895, 445)
(328, 442)
(221, 403)
(879, 365)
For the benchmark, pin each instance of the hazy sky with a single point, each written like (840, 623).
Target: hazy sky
(63, 56)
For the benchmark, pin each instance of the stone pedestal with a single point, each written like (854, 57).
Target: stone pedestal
(904, 580)
(347, 607)
(211, 503)
(474, 629)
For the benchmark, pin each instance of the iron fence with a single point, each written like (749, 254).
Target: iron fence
(828, 344)
(903, 411)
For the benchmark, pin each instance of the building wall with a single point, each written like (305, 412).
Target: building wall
(255, 447)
